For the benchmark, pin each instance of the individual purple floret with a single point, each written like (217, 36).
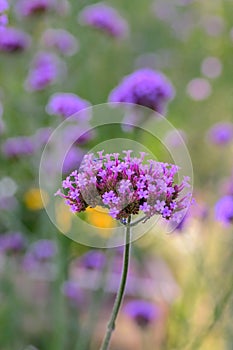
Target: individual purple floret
(12, 242)
(142, 312)
(46, 68)
(144, 87)
(4, 6)
(224, 210)
(221, 133)
(61, 40)
(18, 146)
(27, 8)
(65, 104)
(105, 18)
(13, 40)
(126, 186)
(93, 259)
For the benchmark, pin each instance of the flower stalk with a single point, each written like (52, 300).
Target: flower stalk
(121, 290)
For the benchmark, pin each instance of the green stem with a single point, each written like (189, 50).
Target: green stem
(121, 290)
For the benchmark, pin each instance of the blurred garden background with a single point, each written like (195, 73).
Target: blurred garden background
(56, 294)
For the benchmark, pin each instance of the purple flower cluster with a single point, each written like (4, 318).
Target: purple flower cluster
(142, 312)
(126, 186)
(221, 133)
(13, 40)
(224, 210)
(27, 8)
(105, 18)
(12, 242)
(46, 68)
(61, 40)
(144, 87)
(66, 104)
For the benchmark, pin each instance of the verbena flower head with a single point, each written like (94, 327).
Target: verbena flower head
(224, 210)
(126, 186)
(27, 8)
(142, 312)
(45, 69)
(66, 104)
(105, 18)
(221, 133)
(13, 40)
(144, 87)
(61, 40)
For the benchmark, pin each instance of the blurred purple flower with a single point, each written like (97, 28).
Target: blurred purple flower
(43, 250)
(60, 40)
(211, 67)
(3, 20)
(144, 87)
(34, 7)
(72, 291)
(221, 133)
(18, 146)
(224, 210)
(199, 89)
(66, 104)
(41, 137)
(142, 312)
(13, 40)
(72, 160)
(105, 18)
(4, 6)
(12, 242)
(45, 70)
(93, 259)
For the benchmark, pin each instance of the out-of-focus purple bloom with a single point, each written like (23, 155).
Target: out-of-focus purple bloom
(34, 7)
(41, 137)
(12, 242)
(4, 6)
(43, 250)
(72, 160)
(13, 40)
(72, 291)
(3, 20)
(45, 70)
(71, 132)
(144, 87)
(211, 67)
(224, 210)
(93, 259)
(66, 104)
(199, 89)
(221, 133)
(175, 138)
(105, 18)
(213, 25)
(18, 146)
(126, 186)
(142, 312)
(60, 40)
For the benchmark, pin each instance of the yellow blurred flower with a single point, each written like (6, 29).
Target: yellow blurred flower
(33, 199)
(63, 216)
(99, 217)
